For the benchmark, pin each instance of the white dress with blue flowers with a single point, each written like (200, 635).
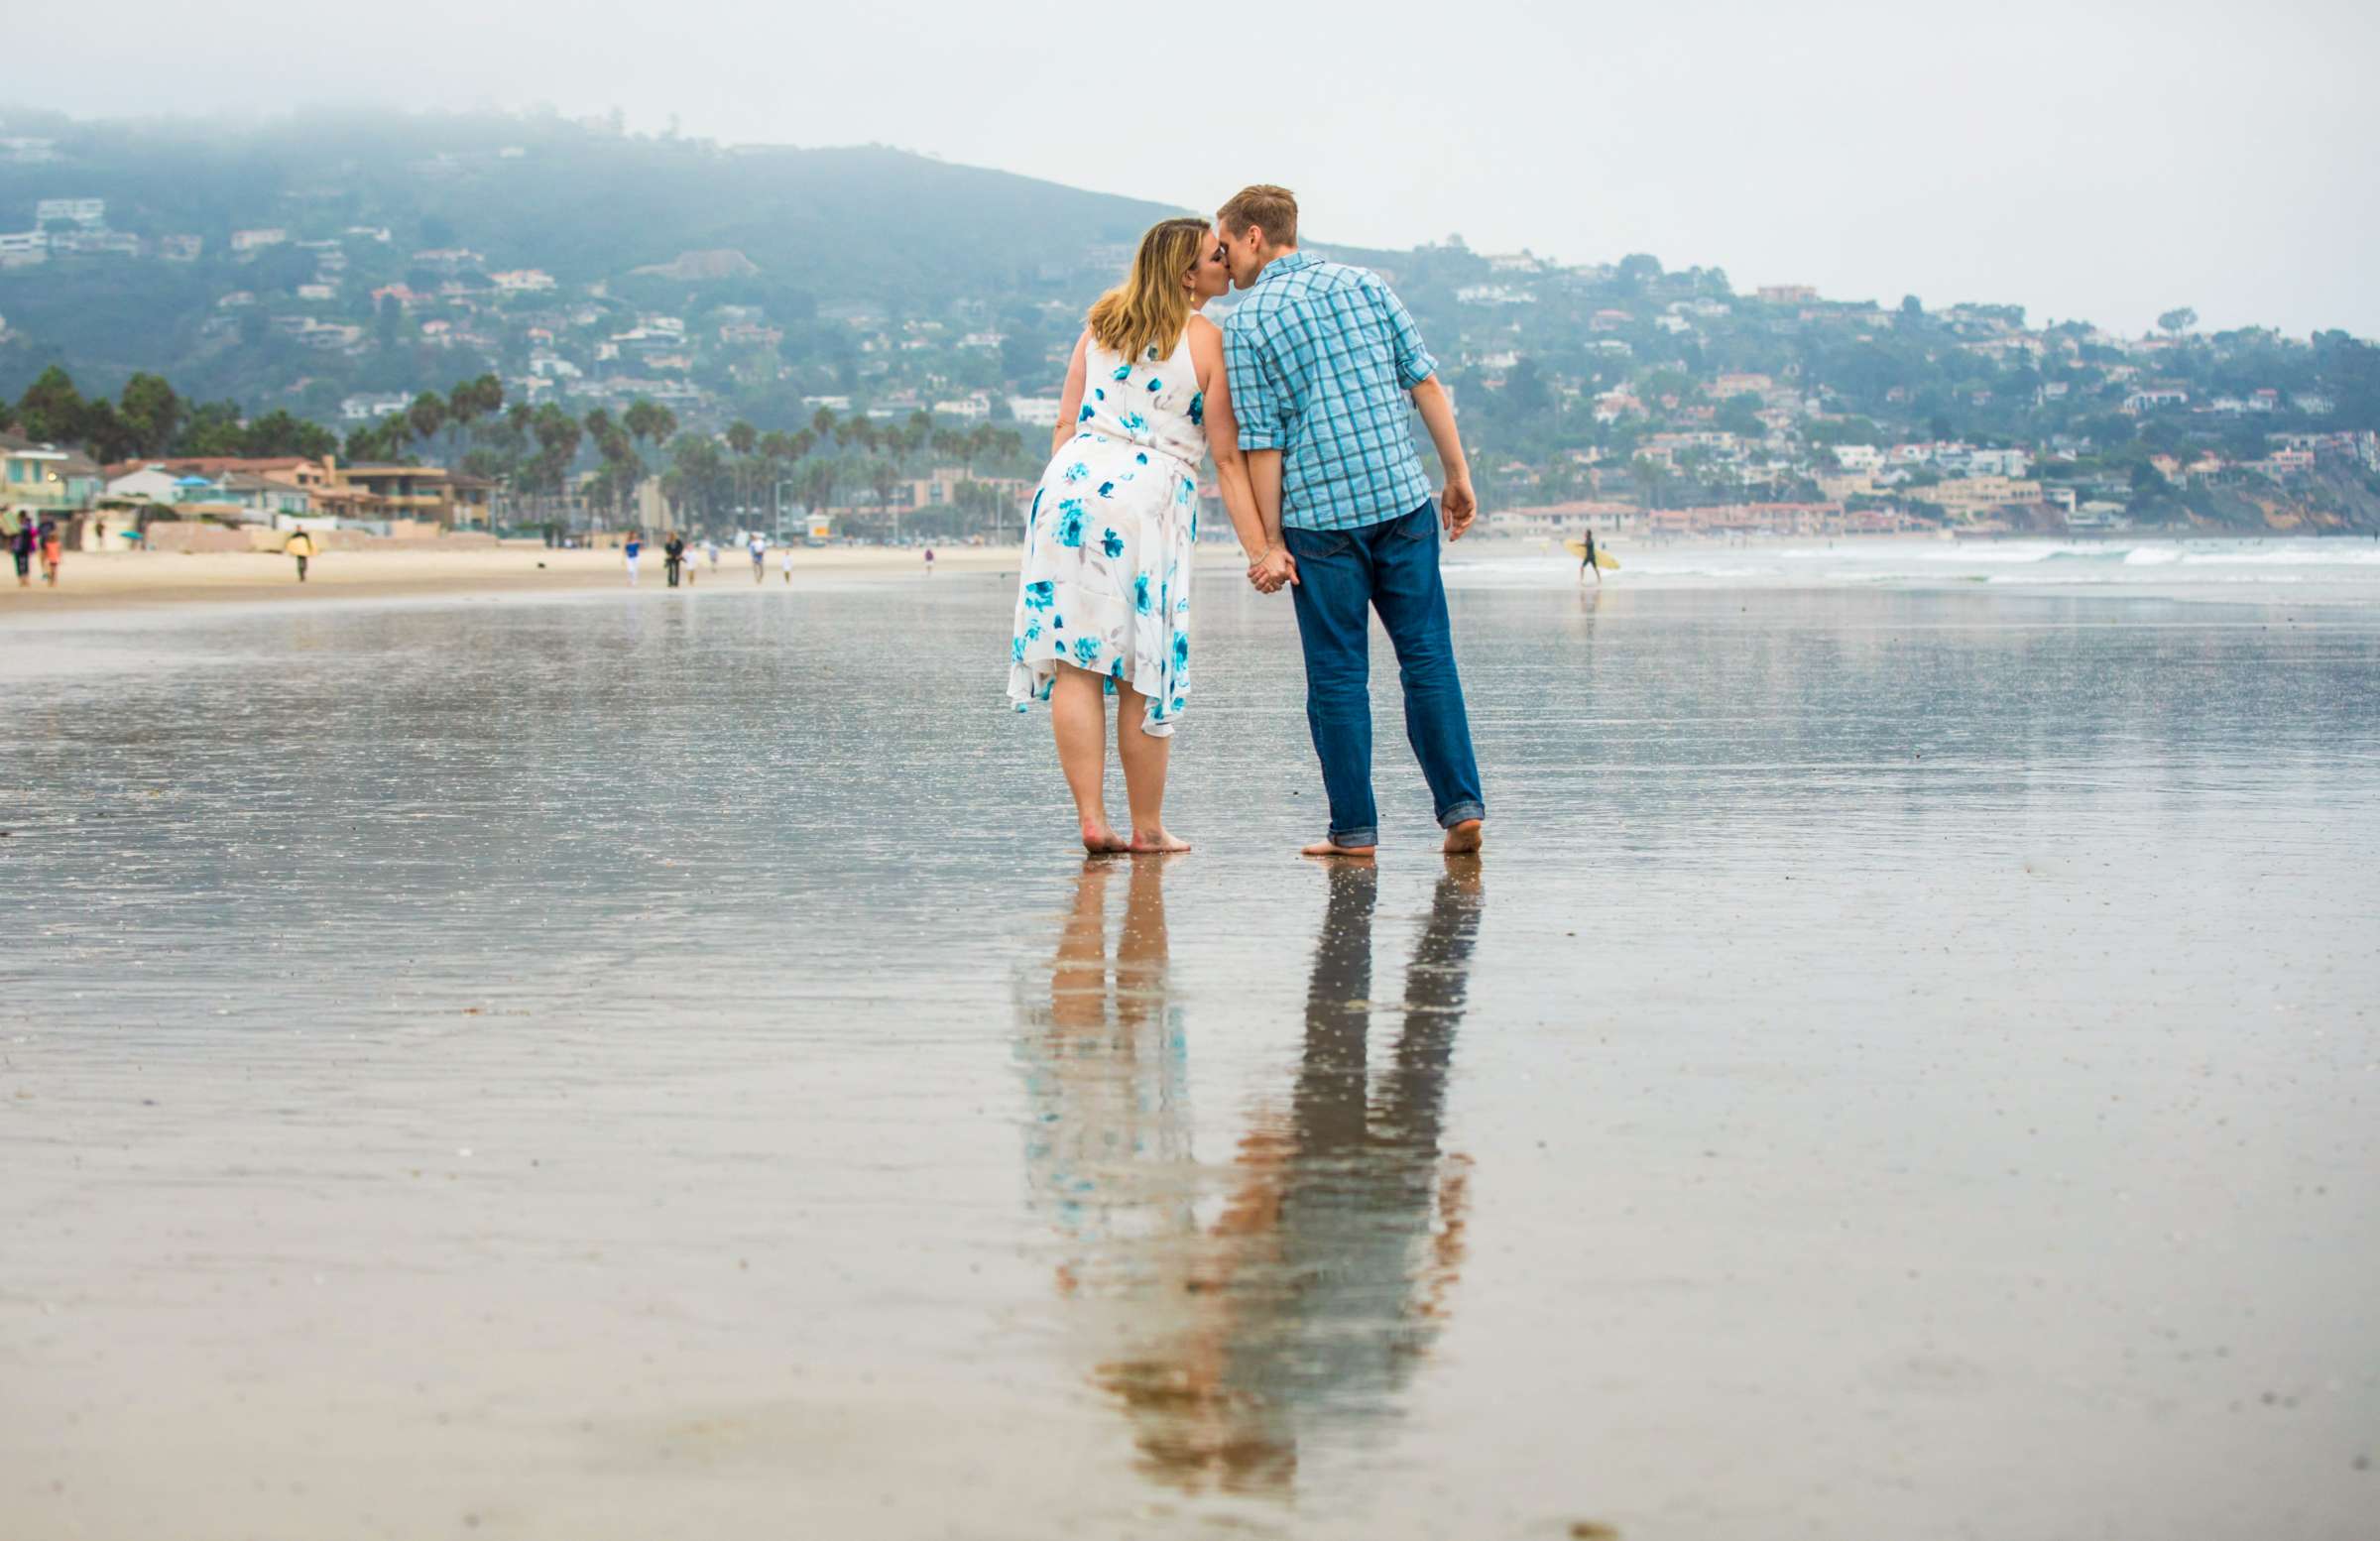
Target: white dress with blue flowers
(1106, 584)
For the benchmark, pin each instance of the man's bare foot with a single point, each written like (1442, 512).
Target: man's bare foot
(1100, 840)
(1333, 848)
(1156, 842)
(1465, 839)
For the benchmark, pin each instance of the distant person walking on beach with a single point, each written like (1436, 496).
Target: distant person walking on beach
(1103, 602)
(632, 551)
(929, 561)
(673, 556)
(710, 549)
(786, 562)
(1323, 359)
(1587, 562)
(21, 543)
(53, 550)
(301, 546)
(760, 557)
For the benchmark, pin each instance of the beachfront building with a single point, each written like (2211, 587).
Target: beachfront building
(397, 493)
(45, 480)
(1971, 495)
(1564, 521)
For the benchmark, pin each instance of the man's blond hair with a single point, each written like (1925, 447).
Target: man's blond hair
(1270, 210)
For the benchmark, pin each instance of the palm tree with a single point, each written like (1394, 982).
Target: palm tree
(776, 453)
(816, 482)
(427, 415)
(823, 424)
(742, 438)
(884, 476)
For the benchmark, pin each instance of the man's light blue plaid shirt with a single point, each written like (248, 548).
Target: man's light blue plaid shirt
(1321, 357)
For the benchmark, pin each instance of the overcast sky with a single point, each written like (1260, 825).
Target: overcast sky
(2103, 159)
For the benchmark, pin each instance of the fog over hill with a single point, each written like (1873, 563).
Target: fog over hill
(331, 266)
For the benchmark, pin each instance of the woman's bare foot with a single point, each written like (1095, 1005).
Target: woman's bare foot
(1333, 848)
(1465, 839)
(1156, 842)
(1100, 840)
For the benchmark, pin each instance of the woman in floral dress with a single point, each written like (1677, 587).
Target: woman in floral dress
(1103, 599)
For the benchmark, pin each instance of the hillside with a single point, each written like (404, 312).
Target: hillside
(325, 268)
(859, 225)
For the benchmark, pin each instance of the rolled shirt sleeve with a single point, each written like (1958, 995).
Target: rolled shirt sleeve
(1413, 361)
(1257, 400)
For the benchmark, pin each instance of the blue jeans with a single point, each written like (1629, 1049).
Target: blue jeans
(1342, 576)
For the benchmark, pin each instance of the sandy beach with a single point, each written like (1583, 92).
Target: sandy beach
(109, 578)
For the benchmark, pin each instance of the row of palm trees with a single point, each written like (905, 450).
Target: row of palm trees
(713, 480)
(829, 458)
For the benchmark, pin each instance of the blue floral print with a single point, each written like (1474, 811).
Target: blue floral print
(1198, 407)
(1110, 595)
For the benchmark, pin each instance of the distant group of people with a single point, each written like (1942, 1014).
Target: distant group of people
(32, 538)
(678, 553)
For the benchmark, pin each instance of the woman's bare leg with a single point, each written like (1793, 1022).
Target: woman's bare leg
(1145, 761)
(1077, 717)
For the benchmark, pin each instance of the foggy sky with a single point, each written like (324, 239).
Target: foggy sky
(2095, 157)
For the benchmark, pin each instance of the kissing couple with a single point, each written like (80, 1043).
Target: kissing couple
(1304, 397)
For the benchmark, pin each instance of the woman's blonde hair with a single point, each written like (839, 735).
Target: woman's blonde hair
(1150, 308)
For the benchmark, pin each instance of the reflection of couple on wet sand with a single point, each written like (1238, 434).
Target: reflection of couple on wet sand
(1305, 396)
(1317, 1288)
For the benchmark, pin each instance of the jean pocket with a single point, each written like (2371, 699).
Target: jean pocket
(1419, 525)
(1311, 544)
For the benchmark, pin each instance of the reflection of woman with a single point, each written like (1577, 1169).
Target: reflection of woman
(1317, 1290)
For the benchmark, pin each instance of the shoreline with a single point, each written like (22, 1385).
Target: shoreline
(99, 582)
(139, 580)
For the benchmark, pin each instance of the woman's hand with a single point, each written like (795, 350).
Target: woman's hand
(1270, 572)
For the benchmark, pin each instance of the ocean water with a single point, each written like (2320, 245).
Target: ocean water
(635, 1064)
(2336, 570)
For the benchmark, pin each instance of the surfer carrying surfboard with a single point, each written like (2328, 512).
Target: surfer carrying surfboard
(1590, 559)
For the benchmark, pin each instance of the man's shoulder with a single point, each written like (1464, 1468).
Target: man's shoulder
(1326, 274)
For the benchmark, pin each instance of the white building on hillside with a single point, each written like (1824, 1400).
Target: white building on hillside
(80, 211)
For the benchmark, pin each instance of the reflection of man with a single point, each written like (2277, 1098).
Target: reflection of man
(1357, 1211)
(1319, 1287)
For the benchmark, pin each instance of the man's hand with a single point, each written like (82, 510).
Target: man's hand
(1458, 505)
(1271, 570)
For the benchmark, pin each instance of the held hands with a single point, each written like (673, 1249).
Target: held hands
(1272, 571)
(1458, 506)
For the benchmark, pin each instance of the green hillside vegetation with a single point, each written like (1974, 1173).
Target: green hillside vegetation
(587, 270)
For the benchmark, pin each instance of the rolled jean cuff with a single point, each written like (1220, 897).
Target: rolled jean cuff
(1355, 837)
(1460, 814)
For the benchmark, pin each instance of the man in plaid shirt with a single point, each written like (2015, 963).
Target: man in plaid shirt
(1325, 367)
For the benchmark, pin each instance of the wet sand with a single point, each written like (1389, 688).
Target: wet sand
(1904, 1067)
